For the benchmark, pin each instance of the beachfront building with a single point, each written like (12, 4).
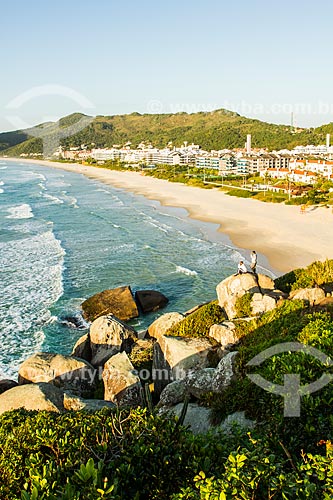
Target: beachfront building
(320, 167)
(302, 176)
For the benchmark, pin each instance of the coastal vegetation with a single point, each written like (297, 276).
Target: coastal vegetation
(138, 453)
(218, 129)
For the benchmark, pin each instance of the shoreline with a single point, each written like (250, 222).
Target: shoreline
(282, 234)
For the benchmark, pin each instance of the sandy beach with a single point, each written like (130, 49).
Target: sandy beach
(287, 237)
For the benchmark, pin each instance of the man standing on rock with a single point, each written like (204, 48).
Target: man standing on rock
(254, 261)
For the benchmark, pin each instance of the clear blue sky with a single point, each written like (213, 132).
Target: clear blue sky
(260, 58)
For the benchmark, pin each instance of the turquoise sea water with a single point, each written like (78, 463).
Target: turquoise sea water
(64, 237)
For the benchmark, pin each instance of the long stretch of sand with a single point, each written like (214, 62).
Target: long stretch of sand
(287, 237)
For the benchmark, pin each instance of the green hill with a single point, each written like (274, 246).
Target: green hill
(212, 130)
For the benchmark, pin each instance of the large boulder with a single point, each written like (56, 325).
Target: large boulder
(122, 384)
(234, 287)
(118, 301)
(312, 295)
(108, 336)
(173, 393)
(62, 371)
(38, 397)
(200, 382)
(197, 417)
(150, 300)
(175, 357)
(76, 403)
(236, 421)
(7, 384)
(225, 372)
(82, 348)
(162, 324)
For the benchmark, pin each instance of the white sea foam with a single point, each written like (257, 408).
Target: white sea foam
(31, 282)
(36, 175)
(185, 270)
(3, 168)
(1, 183)
(54, 199)
(23, 211)
(2, 191)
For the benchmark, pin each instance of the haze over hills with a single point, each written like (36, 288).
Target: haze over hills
(218, 129)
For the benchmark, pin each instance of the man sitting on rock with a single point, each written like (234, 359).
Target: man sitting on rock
(241, 268)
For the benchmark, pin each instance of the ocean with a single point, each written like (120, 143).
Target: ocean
(65, 237)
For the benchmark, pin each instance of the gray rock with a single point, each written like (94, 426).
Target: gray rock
(200, 382)
(38, 397)
(122, 384)
(197, 417)
(237, 420)
(173, 393)
(62, 371)
(225, 372)
(108, 336)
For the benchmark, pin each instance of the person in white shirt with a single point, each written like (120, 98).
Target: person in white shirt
(253, 261)
(241, 268)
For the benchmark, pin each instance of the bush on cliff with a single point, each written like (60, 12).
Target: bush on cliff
(243, 305)
(198, 323)
(117, 455)
(316, 274)
(291, 322)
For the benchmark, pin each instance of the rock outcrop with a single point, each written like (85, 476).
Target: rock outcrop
(234, 287)
(122, 384)
(62, 371)
(39, 397)
(174, 357)
(312, 295)
(150, 300)
(224, 333)
(162, 324)
(108, 336)
(118, 301)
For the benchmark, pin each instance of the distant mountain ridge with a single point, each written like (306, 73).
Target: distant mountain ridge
(218, 129)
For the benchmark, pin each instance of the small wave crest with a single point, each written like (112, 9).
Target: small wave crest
(185, 270)
(23, 211)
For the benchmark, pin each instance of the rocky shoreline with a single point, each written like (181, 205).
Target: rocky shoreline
(111, 366)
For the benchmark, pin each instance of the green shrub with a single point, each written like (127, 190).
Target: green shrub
(142, 359)
(79, 455)
(243, 305)
(318, 273)
(198, 323)
(240, 193)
